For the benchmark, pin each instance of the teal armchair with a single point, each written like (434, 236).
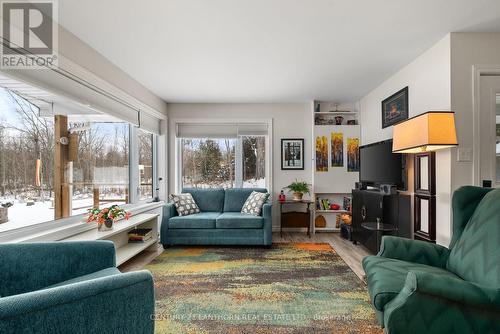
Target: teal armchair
(71, 287)
(419, 287)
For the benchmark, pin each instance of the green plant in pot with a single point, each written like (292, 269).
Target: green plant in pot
(298, 189)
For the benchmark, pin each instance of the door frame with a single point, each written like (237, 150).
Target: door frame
(477, 72)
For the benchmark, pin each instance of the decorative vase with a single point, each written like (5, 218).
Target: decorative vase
(106, 226)
(297, 196)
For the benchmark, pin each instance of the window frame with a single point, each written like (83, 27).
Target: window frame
(238, 150)
(155, 166)
(64, 227)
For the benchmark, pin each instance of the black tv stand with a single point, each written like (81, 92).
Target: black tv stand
(392, 209)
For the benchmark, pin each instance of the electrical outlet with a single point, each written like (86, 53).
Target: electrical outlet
(464, 154)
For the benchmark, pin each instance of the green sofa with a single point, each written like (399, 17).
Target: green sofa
(71, 287)
(220, 221)
(419, 287)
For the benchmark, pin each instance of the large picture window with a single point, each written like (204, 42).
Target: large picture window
(208, 163)
(223, 162)
(101, 169)
(26, 162)
(96, 160)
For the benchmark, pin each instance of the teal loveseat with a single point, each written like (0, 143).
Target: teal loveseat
(220, 221)
(71, 287)
(419, 287)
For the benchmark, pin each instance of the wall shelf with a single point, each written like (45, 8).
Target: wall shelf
(119, 235)
(331, 211)
(327, 229)
(335, 183)
(336, 113)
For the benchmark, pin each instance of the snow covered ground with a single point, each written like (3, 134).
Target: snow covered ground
(21, 215)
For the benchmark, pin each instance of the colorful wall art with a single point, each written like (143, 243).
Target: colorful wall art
(321, 154)
(353, 154)
(337, 142)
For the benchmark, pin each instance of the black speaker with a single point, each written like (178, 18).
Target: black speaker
(388, 189)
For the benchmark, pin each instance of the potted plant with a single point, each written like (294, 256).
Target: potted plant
(298, 188)
(106, 217)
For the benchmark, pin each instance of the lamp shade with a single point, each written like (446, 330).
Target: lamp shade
(431, 131)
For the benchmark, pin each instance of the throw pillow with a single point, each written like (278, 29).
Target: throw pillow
(253, 204)
(185, 204)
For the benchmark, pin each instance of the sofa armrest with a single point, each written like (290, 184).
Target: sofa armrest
(121, 303)
(453, 289)
(32, 266)
(267, 214)
(448, 305)
(414, 251)
(169, 211)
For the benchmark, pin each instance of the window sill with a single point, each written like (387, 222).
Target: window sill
(71, 226)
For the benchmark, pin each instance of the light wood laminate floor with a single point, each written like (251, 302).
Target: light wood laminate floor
(350, 253)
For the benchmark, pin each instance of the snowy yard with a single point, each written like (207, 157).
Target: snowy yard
(21, 215)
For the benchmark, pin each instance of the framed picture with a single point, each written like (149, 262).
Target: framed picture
(322, 154)
(395, 108)
(337, 143)
(292, 154)
(353, 154)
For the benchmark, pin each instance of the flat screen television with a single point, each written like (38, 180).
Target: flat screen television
(378, 165)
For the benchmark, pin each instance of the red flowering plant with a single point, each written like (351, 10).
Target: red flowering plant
(101, 215)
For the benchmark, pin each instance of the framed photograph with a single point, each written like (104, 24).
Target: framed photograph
(395, 108)
(292, 154)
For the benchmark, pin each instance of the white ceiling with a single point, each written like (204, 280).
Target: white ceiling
(268, 50)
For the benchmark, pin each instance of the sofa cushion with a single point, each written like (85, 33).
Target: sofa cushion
(185, 204)
(208, 200)
(98, 274)
(386, 277)
(253, 204)
(238, 220)
(198, 220)
(475, 257)
(236, 197)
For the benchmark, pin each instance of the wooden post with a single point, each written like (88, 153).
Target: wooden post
(73, 147)
(60, 160)
(96, 196)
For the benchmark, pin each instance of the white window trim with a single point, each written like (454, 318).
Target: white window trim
(269, 147)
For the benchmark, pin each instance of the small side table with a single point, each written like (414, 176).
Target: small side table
(295, 218)
(379, 228)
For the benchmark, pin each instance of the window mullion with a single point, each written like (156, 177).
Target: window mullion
(134, 166)
(238, 164)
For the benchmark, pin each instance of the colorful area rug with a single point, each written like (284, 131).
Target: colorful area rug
(289, 288)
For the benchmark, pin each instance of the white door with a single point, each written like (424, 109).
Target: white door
(489, 134)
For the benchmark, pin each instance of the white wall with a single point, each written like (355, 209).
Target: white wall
(290, 120)
(428, 78)
(467, 50)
